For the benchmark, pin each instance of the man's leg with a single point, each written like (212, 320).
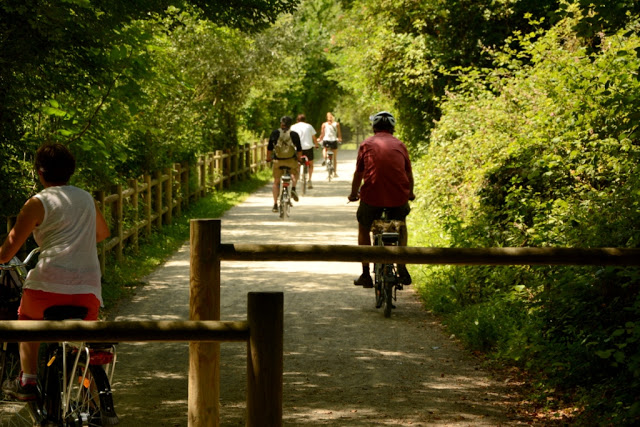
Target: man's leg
(364, 239)
(276, 191)
(365, 215)
(294, 179)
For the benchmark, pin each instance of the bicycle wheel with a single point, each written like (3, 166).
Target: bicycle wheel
(388, 296)
(91, 402)
(329, 170)
(378, 285)
(285, 204)
(287, 208)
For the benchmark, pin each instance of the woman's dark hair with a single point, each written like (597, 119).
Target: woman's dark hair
(55, 162)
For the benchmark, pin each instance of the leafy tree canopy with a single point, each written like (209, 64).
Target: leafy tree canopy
(81, 72)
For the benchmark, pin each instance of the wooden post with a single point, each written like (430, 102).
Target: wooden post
(102, 252)
(204, 304)
(247, 161)
(202, 191)
(158, 200)
(264, 359)
(252, 157)
(236, 164)
(176, 189)
(226, 170)
(147, 207)
(117, 215)
(263, 160)
(133, 183)
(220, 169)
(212, 172)
(168, 195)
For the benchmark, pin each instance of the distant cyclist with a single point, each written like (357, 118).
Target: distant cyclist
(285, 150)
(331, 136)
(308, 141)
(384, 169)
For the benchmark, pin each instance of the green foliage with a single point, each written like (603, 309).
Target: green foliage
(398, 53)
(525, 114)
(294, 69)
(128, 86)
(543, 150)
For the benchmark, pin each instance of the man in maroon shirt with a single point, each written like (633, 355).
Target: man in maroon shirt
(384, 166)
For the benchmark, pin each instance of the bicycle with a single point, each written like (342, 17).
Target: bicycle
(305, 171)
(387, 279)
(73, 378)
(285, 196)
(331, 169)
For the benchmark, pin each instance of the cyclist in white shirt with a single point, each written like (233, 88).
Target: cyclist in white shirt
(331, 136)
(308, 141)
(66, 224)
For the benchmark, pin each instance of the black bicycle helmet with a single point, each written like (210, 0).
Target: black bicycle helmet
(383, 118)
(286, 120)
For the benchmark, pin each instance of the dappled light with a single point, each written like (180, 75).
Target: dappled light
(343, 361)
(521, 121)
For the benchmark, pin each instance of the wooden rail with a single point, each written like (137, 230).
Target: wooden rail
(129, 331)
(263, 327)
(418, 255)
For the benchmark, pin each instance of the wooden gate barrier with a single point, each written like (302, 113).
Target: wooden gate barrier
(263, 329)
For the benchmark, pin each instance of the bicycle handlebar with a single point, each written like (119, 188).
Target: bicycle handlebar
(12, 265)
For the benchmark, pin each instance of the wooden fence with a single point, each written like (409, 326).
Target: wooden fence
(263, 332)
(152, 201)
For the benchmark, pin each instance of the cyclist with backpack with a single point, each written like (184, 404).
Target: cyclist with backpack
(285, 150)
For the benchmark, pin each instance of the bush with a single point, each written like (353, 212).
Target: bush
(543, 150)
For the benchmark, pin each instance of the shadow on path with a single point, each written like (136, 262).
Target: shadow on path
(344, 363)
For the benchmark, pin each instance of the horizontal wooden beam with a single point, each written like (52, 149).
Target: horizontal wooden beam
(122, 331)
(418, 255)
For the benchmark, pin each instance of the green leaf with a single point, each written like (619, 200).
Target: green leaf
(618, 332)
(51, 111)
(604, 354)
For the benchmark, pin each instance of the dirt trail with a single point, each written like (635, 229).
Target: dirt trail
(344, 363)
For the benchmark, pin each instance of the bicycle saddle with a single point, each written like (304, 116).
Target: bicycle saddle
(64, 312)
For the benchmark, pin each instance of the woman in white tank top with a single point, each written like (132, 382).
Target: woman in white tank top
(331, 136)
(66, 224)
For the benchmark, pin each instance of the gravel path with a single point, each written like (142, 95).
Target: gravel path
(344, 363)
